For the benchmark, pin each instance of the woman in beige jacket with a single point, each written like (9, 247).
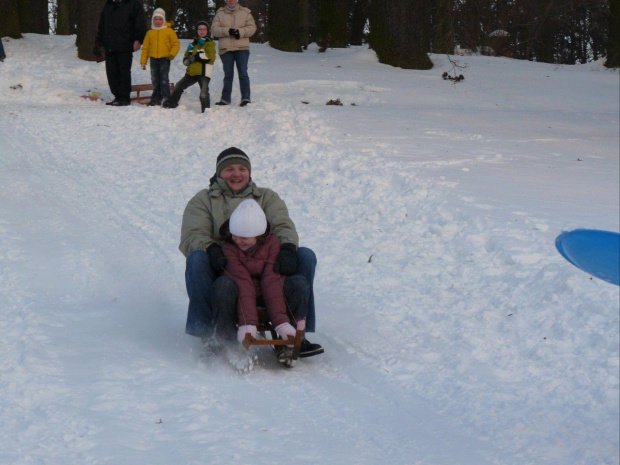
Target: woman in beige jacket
(233, 25)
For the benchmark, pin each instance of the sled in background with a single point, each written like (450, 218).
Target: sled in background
(92, 95)
(144, 99)
(286, 350)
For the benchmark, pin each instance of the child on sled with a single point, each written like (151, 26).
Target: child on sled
(161, 45)
(198, 58)
(251, 250)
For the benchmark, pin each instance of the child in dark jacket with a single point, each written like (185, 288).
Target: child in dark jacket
(251, 250)
(199, 58)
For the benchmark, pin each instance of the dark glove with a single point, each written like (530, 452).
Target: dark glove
(189, 59)
(97, 50)
(286, 261)
(235, 33)
(217, 259)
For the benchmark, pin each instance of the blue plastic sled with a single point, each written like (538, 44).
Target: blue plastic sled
(595, 252)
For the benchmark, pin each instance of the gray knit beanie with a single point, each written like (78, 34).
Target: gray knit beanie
(232, 156)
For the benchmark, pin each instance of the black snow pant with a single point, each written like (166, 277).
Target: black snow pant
(187, 81)
(118, 71)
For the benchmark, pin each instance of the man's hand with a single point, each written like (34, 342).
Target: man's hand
(286, 261)
(217, 259)
(136, 45)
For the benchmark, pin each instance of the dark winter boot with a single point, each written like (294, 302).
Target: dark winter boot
(174, 100)
(308, 349)
(204, 104)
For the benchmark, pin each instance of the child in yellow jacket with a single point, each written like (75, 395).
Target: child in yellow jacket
(161, 45)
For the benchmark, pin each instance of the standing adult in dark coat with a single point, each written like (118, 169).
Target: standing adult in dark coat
(121, 31)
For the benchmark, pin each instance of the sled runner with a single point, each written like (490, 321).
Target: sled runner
(144, 99)
(286, 350)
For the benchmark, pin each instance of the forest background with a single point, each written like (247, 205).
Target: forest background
(401, 32)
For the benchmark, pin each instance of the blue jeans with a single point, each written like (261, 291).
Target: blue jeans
(210, 296)
(160, 69)
(229, 59)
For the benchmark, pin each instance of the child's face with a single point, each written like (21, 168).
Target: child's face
(202, 30)
(244, 243)
(158, 21)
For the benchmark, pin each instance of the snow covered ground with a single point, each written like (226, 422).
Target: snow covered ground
(454, 331)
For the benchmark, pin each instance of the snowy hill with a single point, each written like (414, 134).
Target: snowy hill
(454, 331)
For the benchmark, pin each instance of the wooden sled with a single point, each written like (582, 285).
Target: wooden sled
(145, 99)
(269, 337)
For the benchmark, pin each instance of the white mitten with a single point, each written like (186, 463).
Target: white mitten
(285, 330)
(243, 330)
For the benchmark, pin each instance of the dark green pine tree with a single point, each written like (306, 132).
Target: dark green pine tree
(288, 24)
(399, 31)
(613, 35)
(331, 23)
(9, 19)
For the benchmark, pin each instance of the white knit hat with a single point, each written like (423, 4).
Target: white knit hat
(248, 219)
(162, 14)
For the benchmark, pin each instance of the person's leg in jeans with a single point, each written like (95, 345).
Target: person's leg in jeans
(155, 81)
(242, 57)
(228, 64)
(204, 93)
(179, 87)
(164, 80)
(306, 267)
(296, 293)
(224, 304)
(199, 279)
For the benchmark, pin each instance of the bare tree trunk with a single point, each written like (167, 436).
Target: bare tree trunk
(33, 16)
(288, 24)
(613, 35)
(331, 23)
(442, 35)
(9, 19)
(87, 23)
(259, 10)
(62, 18)
(359, 18)
(399, 33)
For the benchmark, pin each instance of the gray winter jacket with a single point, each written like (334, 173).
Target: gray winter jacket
(210, 208)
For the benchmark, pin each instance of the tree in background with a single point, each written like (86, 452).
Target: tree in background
(331, 23)
(358, 18)
(88, 12)
(33, 16)
(613, 35)
(288, 24)
(9, 19)
(259, 9)
(442, 26)
(65, 14)
(399, 33)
